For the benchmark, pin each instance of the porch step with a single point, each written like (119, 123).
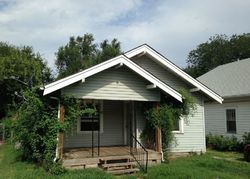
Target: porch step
(80, 163)
(115, 158)
(124, 171)
(119, 165)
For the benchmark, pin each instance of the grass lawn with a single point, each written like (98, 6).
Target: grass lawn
(210, 165)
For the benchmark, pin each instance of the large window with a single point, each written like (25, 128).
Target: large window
(91, 122)
(231, 120)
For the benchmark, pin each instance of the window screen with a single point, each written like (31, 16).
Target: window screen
(90, 122)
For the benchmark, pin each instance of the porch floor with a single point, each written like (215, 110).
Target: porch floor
(79, 157)
(77, 153)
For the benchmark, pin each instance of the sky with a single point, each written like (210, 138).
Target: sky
(171, 27)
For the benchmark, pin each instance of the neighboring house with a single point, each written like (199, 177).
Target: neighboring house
(232, 82)
(121, 88)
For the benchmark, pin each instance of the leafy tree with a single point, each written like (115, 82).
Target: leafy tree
(81, 53)
(218, 50)
(20, 67)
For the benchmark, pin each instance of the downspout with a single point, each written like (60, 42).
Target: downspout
(57, 138)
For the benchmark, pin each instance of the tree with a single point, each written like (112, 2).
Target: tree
(20, 68)
(81, 53)
(218, 50)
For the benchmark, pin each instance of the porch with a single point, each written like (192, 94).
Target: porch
(115, 143)
(80, 158)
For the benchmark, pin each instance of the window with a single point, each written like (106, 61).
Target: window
(231, 120)
(178, 126)
(94, 122)
(89, 123)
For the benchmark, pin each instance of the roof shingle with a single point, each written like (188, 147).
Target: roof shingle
(229, 80)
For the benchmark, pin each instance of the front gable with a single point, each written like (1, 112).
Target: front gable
(145, 50)
(114, 62)
(162, 75)
(114, 84)
(161, 72)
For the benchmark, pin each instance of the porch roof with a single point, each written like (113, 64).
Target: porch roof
(120, 60)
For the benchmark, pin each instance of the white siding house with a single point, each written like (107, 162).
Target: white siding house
(123, 86)
(232, 82)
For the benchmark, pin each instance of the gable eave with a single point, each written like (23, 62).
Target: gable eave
(122, 60)
(165, 62)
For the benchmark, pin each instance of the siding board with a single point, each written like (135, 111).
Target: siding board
(112, 129)
(215, 116)
(161, 73)
(114, 84)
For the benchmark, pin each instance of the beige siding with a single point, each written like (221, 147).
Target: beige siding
(193, 137)
(215, 115)
(112, 129)
(114, 84)
(160, 72)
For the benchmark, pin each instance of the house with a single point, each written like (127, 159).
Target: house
(121, 88)
(232, 82)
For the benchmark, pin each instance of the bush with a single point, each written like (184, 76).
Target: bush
(222, 143)
(54, 168)
(36, 128)
(37, 125)
(246, 138)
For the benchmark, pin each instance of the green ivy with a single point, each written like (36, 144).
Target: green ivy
(163, 117)
(37, 125)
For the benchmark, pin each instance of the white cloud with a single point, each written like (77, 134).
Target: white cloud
(172, 27)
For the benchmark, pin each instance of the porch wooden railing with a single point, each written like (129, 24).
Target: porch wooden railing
(139, 153)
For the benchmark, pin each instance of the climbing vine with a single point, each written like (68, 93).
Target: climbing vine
(37, 125)
(164, 116)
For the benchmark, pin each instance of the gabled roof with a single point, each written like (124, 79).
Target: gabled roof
(229, 80)
(120, 60)
(165, 62)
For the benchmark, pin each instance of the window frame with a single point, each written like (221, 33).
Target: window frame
(235, 109)
(181, 127)
(101, 121)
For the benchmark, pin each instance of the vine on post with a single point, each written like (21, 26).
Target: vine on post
(164, 117)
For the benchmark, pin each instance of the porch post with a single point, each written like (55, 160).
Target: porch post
(158, 142)
(61, 133)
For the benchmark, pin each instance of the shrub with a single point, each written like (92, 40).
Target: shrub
(222, 143)
(37, 125)
(246, 138)
(36, 128)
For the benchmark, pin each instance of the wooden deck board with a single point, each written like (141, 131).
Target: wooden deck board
(80, 156)
(87, 152)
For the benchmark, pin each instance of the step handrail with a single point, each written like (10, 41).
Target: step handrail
(140, 156)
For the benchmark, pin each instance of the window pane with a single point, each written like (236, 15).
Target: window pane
(90, 121)
(231, 120)
(231, 127)
(89, 126)
(176, 125)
